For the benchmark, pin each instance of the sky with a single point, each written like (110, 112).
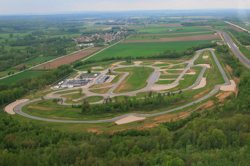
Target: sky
(60, 6)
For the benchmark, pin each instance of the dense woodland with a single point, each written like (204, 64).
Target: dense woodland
(216, 137)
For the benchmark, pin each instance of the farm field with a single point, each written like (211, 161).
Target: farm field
(22, 76)
(138, 50)
(162, 29)
(175, 39)
(68, 59)
(164, 35)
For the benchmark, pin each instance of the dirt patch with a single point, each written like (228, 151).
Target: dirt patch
(201, 84)
(97, 68)
(171, 117)
(123, 86)
(129, 119)
(231, 88)
(199, 95)
(9, 108)
(116, 64)
(229, 69)
(205, 57)
(223, 96)
(158, 63)
(191, 72)
(95, 131)
(204, 65)
(67, 59)
(164, 119)
(158, 87)
(174, 39)
(207, 105)
(138, 62)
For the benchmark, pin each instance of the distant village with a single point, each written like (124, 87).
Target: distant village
(100, 38)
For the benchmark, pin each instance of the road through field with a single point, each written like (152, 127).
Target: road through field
(18, 108)
(236, 51)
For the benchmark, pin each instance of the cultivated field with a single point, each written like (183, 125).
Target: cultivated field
(175, 39)
(68, 59)
(150, 49)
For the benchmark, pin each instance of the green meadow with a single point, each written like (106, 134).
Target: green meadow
(21, 76)
(136, 50)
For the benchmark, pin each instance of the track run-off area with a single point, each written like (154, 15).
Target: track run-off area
(17, 107)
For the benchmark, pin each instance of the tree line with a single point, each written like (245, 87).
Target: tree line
(10, 93)
(147, 103)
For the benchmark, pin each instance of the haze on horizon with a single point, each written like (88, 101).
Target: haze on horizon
(60, 6)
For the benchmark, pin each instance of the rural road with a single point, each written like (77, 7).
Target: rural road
(242, 58)
(18, 108)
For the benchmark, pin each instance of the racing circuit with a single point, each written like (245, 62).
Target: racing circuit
(151, 85)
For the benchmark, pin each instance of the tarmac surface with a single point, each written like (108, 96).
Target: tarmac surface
(236, 51)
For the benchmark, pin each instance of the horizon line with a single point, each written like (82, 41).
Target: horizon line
(116, 11)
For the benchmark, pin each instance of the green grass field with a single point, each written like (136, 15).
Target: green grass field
(162, 29)
(167, 76)
(134, 50)
(189, 79)
(38, 60)
(73, 96)
(52, 110)
(93, 99)
(21, 76)
(163, 35)
(68, 91)
(164, 81)
(137, 78)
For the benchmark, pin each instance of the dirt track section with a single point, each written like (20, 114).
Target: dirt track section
(9, 108)
(129, 119)
(67, 59)
(174, 39)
